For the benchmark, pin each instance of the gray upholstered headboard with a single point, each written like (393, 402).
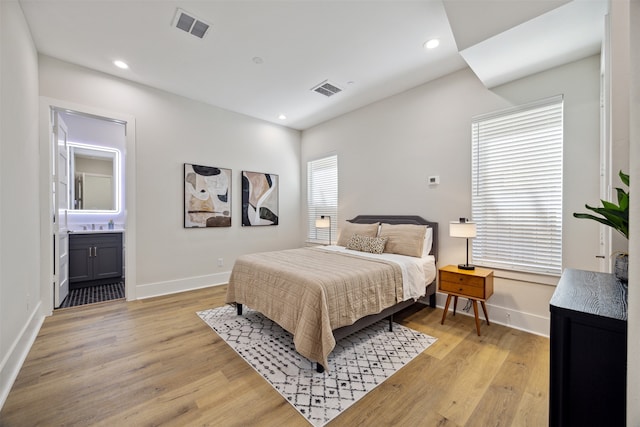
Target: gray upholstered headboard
(401, 219)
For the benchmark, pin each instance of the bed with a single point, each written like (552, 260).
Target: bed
(322, 294)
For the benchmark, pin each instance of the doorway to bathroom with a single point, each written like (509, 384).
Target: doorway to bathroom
(90, 218)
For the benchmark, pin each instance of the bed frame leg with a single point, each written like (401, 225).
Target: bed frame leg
(319, 368)
(391, 323)
(432, 300)
(239, 309)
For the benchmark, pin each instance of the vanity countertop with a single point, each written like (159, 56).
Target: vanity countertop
(97, 231)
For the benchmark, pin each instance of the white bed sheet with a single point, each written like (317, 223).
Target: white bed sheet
(417, 273)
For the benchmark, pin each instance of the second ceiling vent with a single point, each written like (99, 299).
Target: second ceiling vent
(187, 22)
(326, 88)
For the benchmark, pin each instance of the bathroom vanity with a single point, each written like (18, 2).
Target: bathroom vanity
(95, 258)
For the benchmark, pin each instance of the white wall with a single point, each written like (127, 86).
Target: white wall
(19, 198)
(170, 131)
(387, 150)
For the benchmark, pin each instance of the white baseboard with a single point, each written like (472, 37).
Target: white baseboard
(527, 322)
(13, 361)
(150, 290)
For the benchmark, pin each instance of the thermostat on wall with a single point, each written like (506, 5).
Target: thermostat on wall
(433, 180)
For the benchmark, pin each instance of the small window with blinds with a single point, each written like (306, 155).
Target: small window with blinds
(517, 188)
(322, 198)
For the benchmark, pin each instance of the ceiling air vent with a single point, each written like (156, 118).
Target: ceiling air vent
(187, 22)
(326, 88)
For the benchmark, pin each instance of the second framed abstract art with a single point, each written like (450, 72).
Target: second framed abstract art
(259, 198)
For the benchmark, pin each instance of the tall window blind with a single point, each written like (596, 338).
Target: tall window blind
(322, 197)
(517, 188)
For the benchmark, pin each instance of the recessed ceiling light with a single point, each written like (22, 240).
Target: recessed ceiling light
(121, 64)
(282, 117)
(432, 44)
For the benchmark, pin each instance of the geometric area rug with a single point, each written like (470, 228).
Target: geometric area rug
(357, 364)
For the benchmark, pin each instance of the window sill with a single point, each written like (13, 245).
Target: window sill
(521, 276)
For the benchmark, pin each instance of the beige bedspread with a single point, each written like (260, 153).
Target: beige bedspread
(311, 291)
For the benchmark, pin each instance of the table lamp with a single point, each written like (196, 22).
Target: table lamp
(466, 229)
(324, 222)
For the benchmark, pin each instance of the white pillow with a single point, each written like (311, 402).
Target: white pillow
(428, 242)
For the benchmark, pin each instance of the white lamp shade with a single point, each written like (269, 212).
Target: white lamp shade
(323, 222)
(462, 229)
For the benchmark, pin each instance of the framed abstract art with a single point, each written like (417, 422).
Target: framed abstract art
(259, 198)
(207, 196)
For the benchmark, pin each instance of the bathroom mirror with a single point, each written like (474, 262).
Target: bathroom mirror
(94, 178)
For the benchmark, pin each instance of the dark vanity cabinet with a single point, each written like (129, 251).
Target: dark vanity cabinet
(588, 341)
(94, 258)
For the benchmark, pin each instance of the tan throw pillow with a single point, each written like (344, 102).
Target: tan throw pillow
(404, 239)
(348, 229)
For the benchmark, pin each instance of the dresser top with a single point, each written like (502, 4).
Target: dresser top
(590, 292)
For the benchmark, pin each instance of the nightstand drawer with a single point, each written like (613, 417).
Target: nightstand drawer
(462, 279)
(462, 288)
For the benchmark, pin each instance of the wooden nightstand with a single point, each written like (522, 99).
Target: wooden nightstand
(476, 285)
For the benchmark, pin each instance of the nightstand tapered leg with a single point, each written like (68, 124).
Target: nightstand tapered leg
(455, 304)
(486, 315)
(446, 308)
(475, 311)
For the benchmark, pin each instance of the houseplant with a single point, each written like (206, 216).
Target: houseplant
(616, 217)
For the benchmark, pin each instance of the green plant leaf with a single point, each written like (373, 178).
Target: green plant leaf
(623, 198)
(624, 178)
(609, 205)
(595, 218)
(612, 215)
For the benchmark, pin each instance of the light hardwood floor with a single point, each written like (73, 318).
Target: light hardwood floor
(154, 362)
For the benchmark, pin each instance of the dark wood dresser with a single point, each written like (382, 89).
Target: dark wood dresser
(588, 341)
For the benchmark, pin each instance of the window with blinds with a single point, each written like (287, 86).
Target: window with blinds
(517, 188)
(322, 197)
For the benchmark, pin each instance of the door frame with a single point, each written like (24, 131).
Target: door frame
(45, 126)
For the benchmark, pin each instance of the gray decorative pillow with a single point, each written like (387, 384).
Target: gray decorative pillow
(374, 245)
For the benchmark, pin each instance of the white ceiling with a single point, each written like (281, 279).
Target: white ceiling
(371, 49)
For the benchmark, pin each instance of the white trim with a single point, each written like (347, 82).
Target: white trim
(17, 354)
(168, 287)
(527, 322)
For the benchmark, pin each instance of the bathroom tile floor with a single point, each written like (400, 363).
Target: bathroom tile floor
(93, 294)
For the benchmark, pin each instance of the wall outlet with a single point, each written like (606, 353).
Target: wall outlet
(434, 180)
(220, 262)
